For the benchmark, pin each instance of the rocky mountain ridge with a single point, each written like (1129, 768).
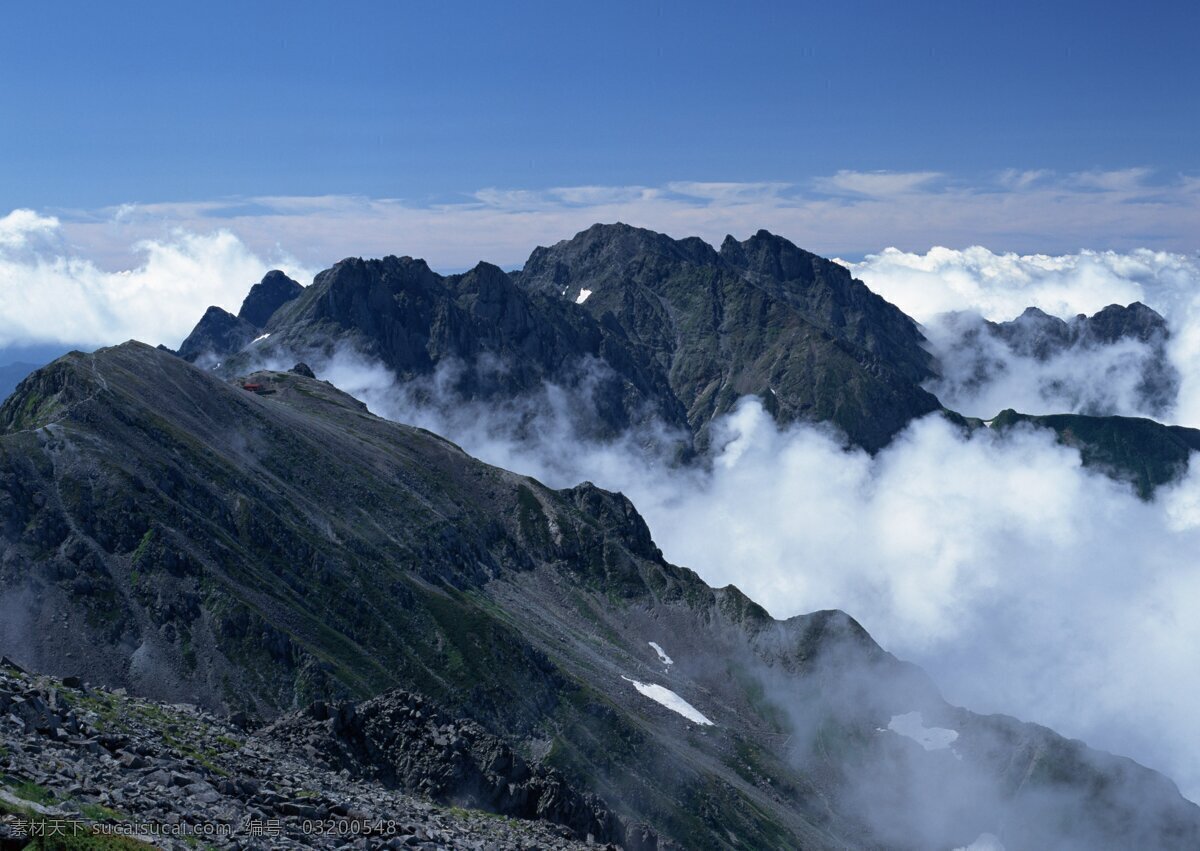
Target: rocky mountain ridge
(662, 329)
(262, 549)
(656, 337)
(1085, 363)
(219, 333)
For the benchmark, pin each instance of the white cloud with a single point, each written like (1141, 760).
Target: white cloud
(878, 184)
(1000, 286)
(728, 192)
(1124, 180)
(50, 293)
(20, 227)
(848, 214)
(1021, 178)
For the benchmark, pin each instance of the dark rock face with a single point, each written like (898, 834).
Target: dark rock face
(11, 375)
(828, 297)
(652, 328)
(271, 293)
(1145, 453)
(508, 342)
(1039, 335)
(405, 742)
(217, 333)
(761, 317)
(220, 334)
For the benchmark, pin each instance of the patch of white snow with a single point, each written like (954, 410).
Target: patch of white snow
(583, 296)
(985, 842)
(670, 700)
(910, 726)
(662, 655)
(263, 337)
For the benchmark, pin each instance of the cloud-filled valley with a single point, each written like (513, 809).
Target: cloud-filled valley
(1024, 583)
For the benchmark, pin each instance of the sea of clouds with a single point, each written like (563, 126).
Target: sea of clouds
(1022, 582)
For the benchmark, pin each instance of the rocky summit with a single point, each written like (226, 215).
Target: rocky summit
(385, 623)
(652, 327)
(219, 332)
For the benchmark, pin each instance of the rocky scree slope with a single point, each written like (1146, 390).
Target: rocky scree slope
(91, 759)
(177, 535)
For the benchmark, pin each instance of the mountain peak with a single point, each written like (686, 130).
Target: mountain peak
(1134, 320)
(45, 394)
(1034, 313)
(774, 256)
(268, 295)
(611, 251)
(218, 331)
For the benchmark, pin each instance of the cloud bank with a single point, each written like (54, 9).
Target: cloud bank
(999, 286)
(849, 214)
(143, 269)
(52, 292)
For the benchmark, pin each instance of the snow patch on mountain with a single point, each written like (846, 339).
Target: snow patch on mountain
(671, 700)
(911, 726)
(662, 655)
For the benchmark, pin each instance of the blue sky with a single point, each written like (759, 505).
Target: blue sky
(156, 158)
(150, 102)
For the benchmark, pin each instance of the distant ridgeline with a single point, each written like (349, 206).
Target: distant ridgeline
(675, 332)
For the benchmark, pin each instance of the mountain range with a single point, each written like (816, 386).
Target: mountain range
(198, 529)
(650, 330)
